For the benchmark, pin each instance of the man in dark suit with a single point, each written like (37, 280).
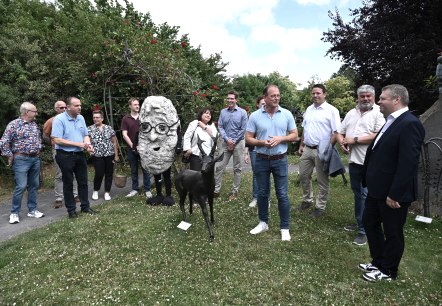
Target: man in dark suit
(390, 173)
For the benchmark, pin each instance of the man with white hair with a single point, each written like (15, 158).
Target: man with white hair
(59, 107)
(358, 129)
(21, 143)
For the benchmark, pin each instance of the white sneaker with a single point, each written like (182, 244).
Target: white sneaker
(95, 195)
(260, 228)
(107, 196)
(253, 203)
(148, 194)
(132, 194)
(285, 235)
(13, 218)
(35, 214)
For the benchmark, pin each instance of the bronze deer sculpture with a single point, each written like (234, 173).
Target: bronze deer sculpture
(200, 185)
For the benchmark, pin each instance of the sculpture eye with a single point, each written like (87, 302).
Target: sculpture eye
(162, 128)
(146, 127)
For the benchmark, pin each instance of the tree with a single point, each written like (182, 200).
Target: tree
(251, 86)
(391, 41)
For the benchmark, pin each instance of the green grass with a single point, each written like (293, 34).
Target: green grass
(131, 253)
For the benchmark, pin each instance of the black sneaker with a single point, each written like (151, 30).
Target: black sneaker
(360, 239)
(89, 211)
(351, 227)
(376, 276)
(73, 215)
(305, 205)
(317, 213)
(368, 267)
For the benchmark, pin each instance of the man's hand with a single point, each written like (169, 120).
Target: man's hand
(10, 160)
(273, 141)
(392, 203)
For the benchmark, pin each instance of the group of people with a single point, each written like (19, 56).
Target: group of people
(70, 139)
(383, 142)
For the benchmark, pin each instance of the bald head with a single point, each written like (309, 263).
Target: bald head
(59, 106)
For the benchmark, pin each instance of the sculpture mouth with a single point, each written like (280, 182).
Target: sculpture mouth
(156, 149)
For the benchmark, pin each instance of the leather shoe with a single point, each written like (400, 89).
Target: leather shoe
(73, 215)
(317, 213)
(89, 211)
(58, 204)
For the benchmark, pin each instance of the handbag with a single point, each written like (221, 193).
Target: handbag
(185, 159)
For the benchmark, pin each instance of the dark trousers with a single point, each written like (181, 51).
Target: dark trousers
(167, 182)
(73, 163)
(384, 227)
(133, 157)
(104, 167)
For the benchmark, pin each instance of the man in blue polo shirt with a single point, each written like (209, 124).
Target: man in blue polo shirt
(269, 129)
(71, 138)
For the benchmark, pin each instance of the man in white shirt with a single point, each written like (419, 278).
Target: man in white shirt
(358, 129)
(321, 123)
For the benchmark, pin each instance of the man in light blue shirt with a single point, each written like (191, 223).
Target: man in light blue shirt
(70, 134)
(270, 128)
(232, 126)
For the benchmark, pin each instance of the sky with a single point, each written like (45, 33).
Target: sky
(257, 36)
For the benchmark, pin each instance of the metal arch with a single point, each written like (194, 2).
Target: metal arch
(427, 171)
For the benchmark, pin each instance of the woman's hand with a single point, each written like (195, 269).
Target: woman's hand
(188, 153)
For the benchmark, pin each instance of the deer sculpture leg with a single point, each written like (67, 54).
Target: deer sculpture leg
(202, 202)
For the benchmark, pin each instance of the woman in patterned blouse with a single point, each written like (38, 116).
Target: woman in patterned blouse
(104, 141)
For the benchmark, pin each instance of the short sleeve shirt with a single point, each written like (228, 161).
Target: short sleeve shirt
(320, 123)
(263, 126)
(101, 140)
(68, 128)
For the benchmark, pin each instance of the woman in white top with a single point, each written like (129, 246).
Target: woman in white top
(203, 129)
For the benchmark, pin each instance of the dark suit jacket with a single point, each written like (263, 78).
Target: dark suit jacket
(390, 169)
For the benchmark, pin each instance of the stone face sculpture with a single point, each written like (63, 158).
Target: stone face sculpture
(158, 134)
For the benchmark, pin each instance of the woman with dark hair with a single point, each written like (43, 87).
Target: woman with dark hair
(202, 128)
(104, 141)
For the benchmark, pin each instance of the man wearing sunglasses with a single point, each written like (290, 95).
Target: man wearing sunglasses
(59, 107)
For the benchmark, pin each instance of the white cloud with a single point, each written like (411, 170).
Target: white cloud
(315, 2)
(208, 22)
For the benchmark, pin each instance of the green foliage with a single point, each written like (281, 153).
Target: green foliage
(250, 86)
(391, 41)
(49, 51)
(340, 93)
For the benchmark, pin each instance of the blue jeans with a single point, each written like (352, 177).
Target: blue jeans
(360, 193)
(27, 175)
(252, 155)
(73, 163)
(133, 158)
(279, 170)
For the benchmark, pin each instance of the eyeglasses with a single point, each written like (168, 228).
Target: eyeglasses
(62, 107)
(160, 128)
(30, 110)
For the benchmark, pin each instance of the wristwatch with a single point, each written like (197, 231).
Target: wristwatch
(356, 140)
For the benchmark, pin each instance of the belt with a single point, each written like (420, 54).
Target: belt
(312, 147)
(27, 154)
(271, 157)
(60, 151)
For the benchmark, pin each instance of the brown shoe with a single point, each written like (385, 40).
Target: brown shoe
(232, 196)
(58, 204)
(77, 199)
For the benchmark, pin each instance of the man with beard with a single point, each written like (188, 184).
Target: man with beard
(357, 131)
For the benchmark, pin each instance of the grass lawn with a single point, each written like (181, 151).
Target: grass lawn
(131, 253)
